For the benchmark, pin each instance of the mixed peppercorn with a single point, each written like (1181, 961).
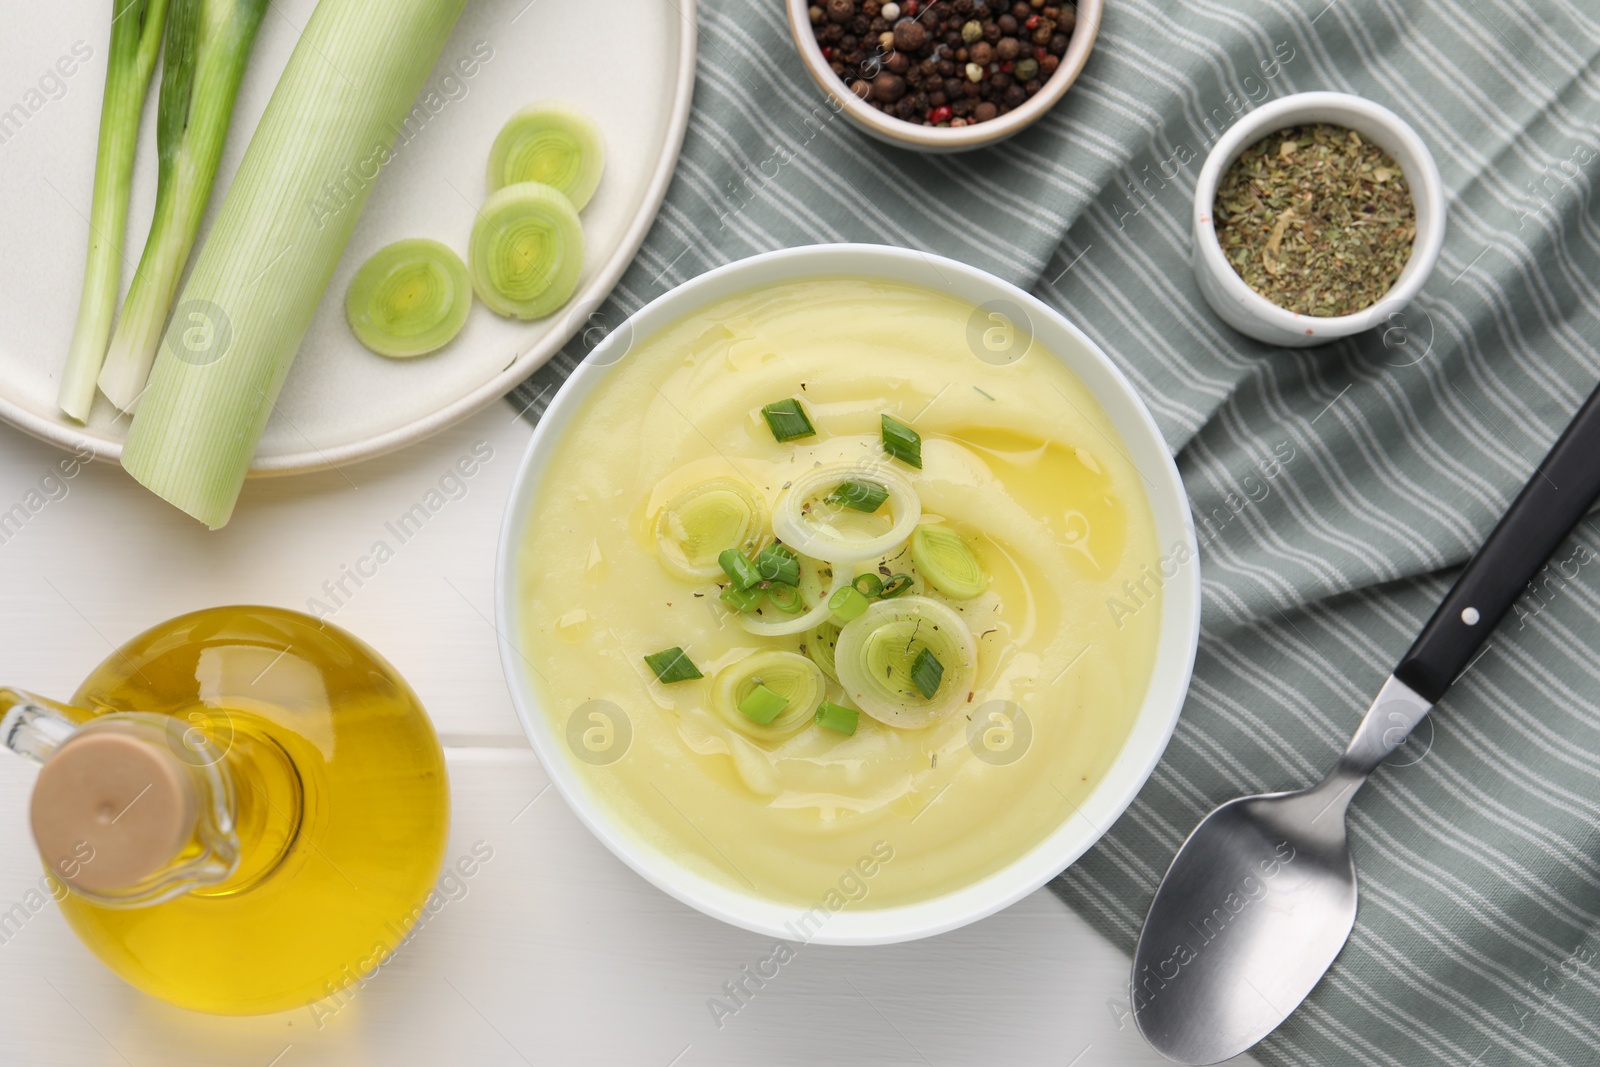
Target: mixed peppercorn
(943, 62)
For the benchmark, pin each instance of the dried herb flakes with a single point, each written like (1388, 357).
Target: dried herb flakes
(1316, 220)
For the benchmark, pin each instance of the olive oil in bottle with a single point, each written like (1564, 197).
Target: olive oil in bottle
(248, 808)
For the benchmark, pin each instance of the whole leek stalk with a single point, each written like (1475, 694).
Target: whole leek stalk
(266, 263)
(135, 39)
(208, 44)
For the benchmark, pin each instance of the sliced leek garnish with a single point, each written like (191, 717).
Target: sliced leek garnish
(411, 298)
(947, 562)
(821, 640)
(769, 621)
(877, 653)
(551, 143)
(788, 675)
(526, 251)
(703, 521)
(805, 520)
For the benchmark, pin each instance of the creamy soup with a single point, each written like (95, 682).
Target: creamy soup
(986, 699)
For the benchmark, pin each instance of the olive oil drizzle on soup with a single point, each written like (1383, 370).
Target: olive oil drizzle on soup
(1017, 458)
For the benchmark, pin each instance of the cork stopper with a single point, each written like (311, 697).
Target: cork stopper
(110, 809)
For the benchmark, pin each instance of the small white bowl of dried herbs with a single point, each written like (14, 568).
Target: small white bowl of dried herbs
(1316, 216)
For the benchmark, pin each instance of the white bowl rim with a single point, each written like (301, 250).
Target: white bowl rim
(896, 131)
(1134, 763)
(1422, 173)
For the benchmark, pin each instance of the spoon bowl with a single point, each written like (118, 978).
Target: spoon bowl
(1214, 972)
(1258, 903)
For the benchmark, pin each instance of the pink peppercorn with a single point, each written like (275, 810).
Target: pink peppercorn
(939, 114)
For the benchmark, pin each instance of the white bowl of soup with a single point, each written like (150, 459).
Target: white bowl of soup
(848, 593)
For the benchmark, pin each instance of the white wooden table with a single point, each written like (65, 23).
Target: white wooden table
(556, 953)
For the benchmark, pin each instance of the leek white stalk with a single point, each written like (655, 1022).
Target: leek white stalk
(135, 39)
(268, 259)
(208, 45)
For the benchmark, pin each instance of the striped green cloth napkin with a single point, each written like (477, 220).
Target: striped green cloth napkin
(1335, 488)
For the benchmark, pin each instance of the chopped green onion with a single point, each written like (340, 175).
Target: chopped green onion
(788, 420)
(526, 251)
(762, 705)
(897, 584)
(901, 441)
(410, 298)
(739, 568)
(947, 562)
(672, 665)
(838, 718)
(859, 495)
(786, 598)
(868, 585)
(743, 600)
(775, 563)
(926, 671)
(848, 603)
(552, 143)
(818, 581)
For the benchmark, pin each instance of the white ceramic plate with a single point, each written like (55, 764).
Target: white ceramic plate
(633, 74)
(1176, 643)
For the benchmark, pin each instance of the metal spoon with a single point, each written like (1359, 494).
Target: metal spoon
(1262, 896)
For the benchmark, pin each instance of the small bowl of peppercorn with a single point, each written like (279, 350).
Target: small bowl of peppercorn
(1316, 216)
(944, 75)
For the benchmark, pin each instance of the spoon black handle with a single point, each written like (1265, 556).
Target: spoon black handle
(1549, 506)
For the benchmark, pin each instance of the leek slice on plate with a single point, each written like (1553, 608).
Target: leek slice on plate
(702, 522)
(907, 662)
(552, 143)
(793, 678)
(806, 520)
(411, 298)
(947, 562)
(526, 251)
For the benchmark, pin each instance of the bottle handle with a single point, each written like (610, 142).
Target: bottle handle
(34, 727)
